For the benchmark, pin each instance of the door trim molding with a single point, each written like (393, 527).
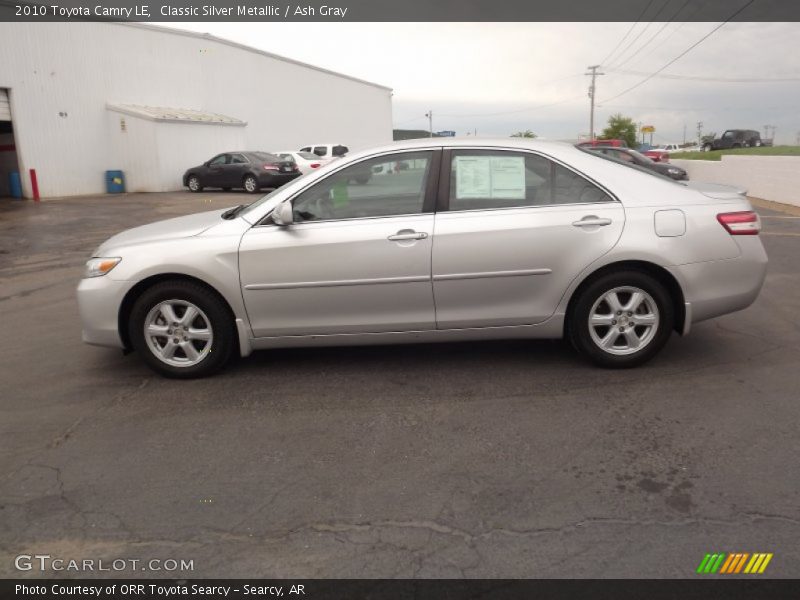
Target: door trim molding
(337, 283)
(490, 274)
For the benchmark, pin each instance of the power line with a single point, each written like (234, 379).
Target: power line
(624, 37)
(641, 33)
(710, 79)
(684, 53)
(637, 54)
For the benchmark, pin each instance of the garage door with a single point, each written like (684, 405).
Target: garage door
(5, 109)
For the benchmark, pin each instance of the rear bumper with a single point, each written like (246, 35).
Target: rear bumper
(99, 300)
(720, 287)
(274, 180)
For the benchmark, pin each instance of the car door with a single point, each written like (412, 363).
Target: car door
(511, 232)
(236, 169)
(215, 174)
(355, 260)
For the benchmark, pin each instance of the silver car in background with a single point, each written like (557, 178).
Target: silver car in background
(457, 239)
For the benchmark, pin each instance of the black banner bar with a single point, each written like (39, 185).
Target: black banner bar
(394, 10)
(408, 589)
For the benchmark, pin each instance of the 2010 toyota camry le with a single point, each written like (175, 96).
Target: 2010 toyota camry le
(457, 239)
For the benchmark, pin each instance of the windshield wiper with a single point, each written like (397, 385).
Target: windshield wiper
(232, 212)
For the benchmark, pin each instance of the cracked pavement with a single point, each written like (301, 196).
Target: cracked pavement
(494, 459)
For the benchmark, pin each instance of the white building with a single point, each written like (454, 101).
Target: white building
(84, 98)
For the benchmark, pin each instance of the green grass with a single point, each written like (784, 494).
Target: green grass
(718, 154)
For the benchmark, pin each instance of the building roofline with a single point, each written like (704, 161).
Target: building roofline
(232, 44)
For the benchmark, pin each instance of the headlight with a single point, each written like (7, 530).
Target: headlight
(675, 171)
(97, 267)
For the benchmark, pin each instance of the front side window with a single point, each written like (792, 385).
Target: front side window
(377, 187)
(218, 160)
(487, 179)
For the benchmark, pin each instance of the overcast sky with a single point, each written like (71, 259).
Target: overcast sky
(498, 78)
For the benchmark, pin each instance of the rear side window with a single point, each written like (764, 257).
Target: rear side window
(238, 159)
(489, 179)
(340, 150)
(320, 150)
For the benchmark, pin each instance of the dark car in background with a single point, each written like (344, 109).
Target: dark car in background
(246, 170)
(633, 157)
(736, 138)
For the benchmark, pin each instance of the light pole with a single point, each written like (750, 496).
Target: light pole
(592, 88)
(429, 114)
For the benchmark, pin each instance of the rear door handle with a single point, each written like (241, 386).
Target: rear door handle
(592, 222)
(407, 234)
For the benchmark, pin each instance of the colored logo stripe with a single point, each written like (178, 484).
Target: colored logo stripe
(734, 563)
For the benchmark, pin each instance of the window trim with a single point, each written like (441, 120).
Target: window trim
(428, 201)
(443, 197)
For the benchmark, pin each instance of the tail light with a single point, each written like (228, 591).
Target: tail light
(315, 165)
(740, 223)
(271, 167)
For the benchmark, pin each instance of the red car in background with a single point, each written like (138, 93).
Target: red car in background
(657, 155)
(605, 143)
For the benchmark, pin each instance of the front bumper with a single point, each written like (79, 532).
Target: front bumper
(99, 301)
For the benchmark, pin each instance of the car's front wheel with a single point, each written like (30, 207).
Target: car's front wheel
(182, 329)
(193, 183)
(622, 319)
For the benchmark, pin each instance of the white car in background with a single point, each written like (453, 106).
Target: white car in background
(306, 161)
(329, 151)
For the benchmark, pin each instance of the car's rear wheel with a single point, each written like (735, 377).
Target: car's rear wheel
(622, 319)
(250, 184)
(193, 183)
(182, 329)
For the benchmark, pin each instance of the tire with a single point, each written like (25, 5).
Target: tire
(209, 331)
(630, 337)
(250, 184)
(193, 183)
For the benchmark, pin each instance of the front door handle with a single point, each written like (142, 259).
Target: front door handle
(407, 234)
(592, 222)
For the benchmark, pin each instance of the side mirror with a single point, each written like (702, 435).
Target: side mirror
(283, 214)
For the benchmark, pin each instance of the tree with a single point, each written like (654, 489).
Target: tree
(620, 128)
(524, 134)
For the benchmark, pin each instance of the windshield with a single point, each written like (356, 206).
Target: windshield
(260, 202)
(630, 165)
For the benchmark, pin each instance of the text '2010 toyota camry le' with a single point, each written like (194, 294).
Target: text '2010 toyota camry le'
(448, 240)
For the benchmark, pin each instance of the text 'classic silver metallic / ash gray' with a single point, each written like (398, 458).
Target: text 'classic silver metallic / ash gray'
(432, 240)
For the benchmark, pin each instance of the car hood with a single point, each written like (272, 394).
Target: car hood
(178, 227)
(717, 190)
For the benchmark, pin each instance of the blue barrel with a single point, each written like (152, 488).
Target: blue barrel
(115, 182)
(15, 184)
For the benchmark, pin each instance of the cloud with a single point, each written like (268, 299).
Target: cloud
(502, 77)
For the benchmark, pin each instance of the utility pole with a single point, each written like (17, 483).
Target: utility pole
(699, 132)
(429, 114)
(684, 134)
(592, 88)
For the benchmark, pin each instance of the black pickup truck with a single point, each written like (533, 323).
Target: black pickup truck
(736, 138)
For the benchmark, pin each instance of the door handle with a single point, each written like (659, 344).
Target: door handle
(407, 234)
(592, 222)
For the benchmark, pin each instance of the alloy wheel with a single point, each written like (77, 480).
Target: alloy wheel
(623, 320)
(178, 333)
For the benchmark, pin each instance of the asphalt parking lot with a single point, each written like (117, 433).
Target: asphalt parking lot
(501, 459)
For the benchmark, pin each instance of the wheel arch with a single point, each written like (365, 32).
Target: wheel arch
(656, 271)
(137, 290)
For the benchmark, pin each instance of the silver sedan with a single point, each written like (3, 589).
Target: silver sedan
(432, 240)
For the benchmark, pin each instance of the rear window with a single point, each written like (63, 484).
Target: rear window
(630, 165)
(267, 157)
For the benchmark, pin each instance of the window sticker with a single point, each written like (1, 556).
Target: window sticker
(501, 177)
